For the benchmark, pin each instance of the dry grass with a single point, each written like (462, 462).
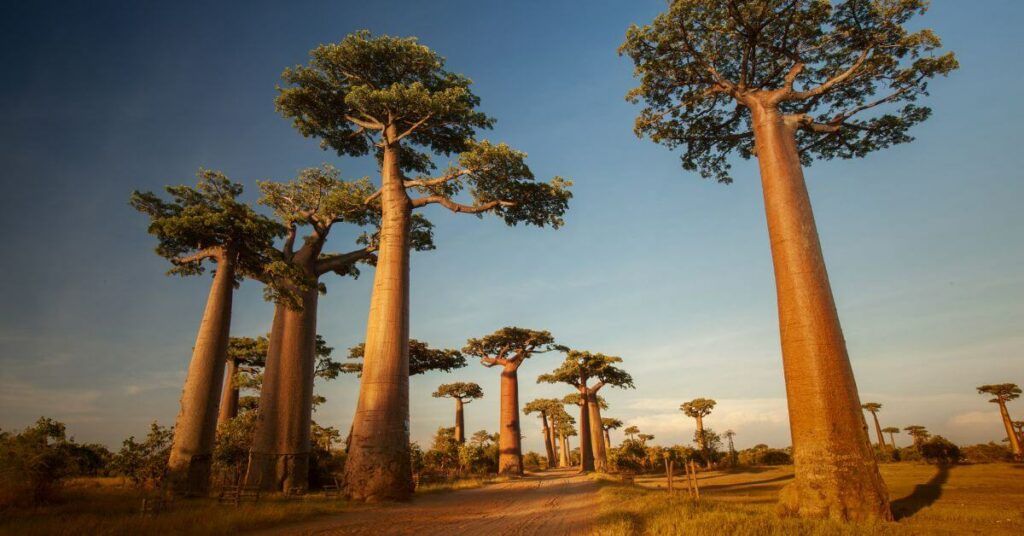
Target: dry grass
(974, 499)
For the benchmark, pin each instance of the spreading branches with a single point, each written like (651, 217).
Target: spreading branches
(509, 346)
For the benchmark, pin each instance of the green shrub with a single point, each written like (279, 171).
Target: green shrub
(34, 463)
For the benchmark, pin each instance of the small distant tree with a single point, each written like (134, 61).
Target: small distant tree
(733, 458)
(508, 348)
(245, 355)
(631, 431)
(644, 438)
(789, 81)
(918, 433)
(463, 393)
(1003, 393)
(873, 408)
(544, 407)
(697, 409)
(561, 429)
(200, 225)
(608, 424)
(422, 359)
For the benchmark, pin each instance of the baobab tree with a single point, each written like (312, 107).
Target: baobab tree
(244, 353)
(873, 408)
(316, 200)
(644, 438)
(586, 430)
(1019, 427)
(544, 407)
(1003, 393)
(697, 409)
(422, 359)
(918, 433)
(561, 429)
(891, 430)
(578, 369)
(393, 97)
(789, 81)
(463, 393)
(608, 424)
(508, 348)
(631, 431)
(733, 456)
(198, 226)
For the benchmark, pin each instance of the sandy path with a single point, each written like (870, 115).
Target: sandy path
(554, 502)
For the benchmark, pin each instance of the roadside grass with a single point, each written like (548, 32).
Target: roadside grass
(969, 499)
(106, 507)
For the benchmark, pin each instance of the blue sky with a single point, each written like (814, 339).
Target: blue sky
(673, 273)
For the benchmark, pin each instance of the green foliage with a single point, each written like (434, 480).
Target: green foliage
(941, 451)
(698, 407)
(480, 454)
(465, 391)
(574, 399)
(990, 452)
(764, 455)
(609, 423)
(34, 463)
(234, 439)
(532, 461)
(579, 367)
(1003, 392)
(422, 359)
(145, 463)
(205, 221)
(509, 346)
(703, 63)
(630, 456)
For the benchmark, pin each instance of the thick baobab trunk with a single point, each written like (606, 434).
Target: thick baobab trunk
(379, 465)
(229, 397)
(563, 451)
(836, 472)
(460, 423)
(1010, 434)
(279, 460)
(596, 433)
(549, 448)
(195, 429)
(878, 432)
(510, 448)
(586, 450)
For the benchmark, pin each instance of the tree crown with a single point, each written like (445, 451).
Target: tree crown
(890, 430)
(544, 406)
(631, 430)
(704, 64)
(509, 346)
(579, 367)
(610, 423)
(205, 222)
(1003, 392)
(873, 407)
(422, 359)
(574, 399)
(698, 407)
(465, 391)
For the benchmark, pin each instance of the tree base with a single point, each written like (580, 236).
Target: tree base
(851, 491)
(278, 472)
(373, 480)
(191, 477)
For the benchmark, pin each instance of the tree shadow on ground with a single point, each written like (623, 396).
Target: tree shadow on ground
(923, 496)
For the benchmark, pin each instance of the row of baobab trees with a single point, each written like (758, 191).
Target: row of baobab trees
(785, 82)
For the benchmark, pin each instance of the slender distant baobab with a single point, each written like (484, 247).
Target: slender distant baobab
(891, 430)
(242, 352)
(644, 438)
(545, 406)
(201, 225)
(1003, 393)
(789, 82)
(462, 393)
(697, 409)
(918, 433)
(508, 348)
(873, 408)
(587, 460)
(631, 431)
(561, 428)
(1019, 427)
(577, 370)
(393, 97)
(608, 424)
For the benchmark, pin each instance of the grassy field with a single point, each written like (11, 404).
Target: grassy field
(104, 507)
(969, 499)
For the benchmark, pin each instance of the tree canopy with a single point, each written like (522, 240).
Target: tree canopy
(827, 66)
(368, 93)
(204, 222)
(422, 359)
(610, 423)
(698, 407)
(545, 406)
(873, 407)
(464, 391)
(1003, 392)
(579, 367)
(574, 399)
(509, 346)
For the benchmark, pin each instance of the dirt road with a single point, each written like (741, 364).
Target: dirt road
(554, 502)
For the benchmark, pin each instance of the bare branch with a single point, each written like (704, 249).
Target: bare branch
(339, 263)
(289, 242)
(832, 82)
(426, 183)
(372, 124)
(373, 196)
(413, 128)
(459, 207)
(207, 253)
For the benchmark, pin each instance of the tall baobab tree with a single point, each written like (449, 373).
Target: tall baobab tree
(578, 370)
(608, 424)
(1003, 393)
(201, 225)
(587, 462)
(422, 359)
(544, 407)
(316, 200)
(697, 409)
(733, 456)
(631, 431)
(393, 97)
(561, 429)
(507, 348)
(243, 353)
(873, 408)
(462, 393)
(789, 81)
(891, 430)
(918, 433)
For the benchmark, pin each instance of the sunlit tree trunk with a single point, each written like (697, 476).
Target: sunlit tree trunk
(229, 396)
(460, 423)
(596, 433)
(878, 431)
(607, 440)
(563, 451)
(195, 429)
(836, 472)
(281, 446)
(379, 466)
(510, 459)
(1010, 434)
(586, 451)
(548, 446)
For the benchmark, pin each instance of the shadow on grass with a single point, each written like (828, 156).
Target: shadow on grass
(923, 496)
(741, 485)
